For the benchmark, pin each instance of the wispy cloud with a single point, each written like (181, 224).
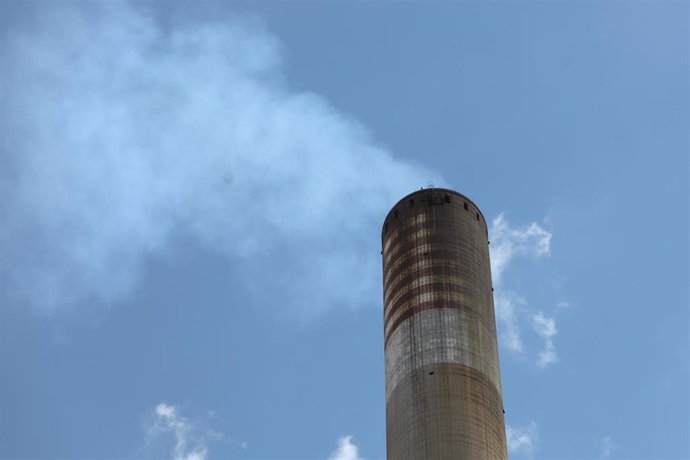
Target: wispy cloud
(563, 304)
(124, 132)
(509, 242)
(522, 439)
(189, 441)
(546, 328)
(512, 309)
(346, 450)
(606, 447)
(508, 306)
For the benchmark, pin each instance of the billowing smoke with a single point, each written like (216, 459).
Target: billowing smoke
(118, 133)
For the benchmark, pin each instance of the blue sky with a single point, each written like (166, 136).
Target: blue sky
(192, 198)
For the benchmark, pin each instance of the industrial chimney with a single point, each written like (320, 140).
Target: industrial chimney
(443, 384)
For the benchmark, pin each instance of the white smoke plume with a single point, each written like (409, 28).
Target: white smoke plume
(118, 133)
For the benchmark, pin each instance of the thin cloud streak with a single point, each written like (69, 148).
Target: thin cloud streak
(607, 447)
(508, 306)
(546, 328)
(509, 242)
(512, 309)
(189, 441)
(522, 439)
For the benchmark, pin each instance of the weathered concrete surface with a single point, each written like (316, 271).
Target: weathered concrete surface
(443, 388)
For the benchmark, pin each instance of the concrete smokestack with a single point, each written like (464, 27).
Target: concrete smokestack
(443, 385)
